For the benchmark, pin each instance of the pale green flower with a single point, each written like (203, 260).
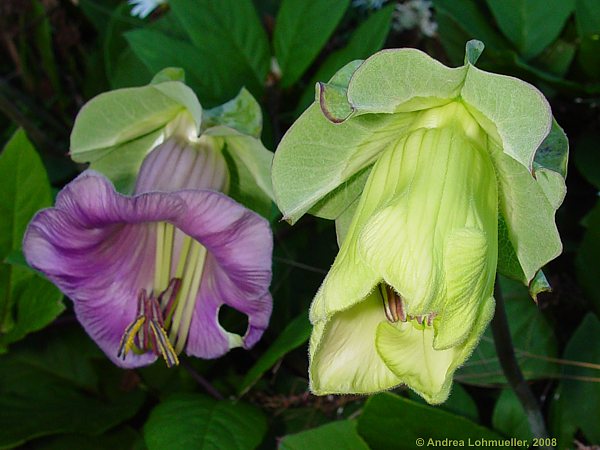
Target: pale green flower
(419, 164)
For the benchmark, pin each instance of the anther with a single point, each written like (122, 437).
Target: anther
(393, 304)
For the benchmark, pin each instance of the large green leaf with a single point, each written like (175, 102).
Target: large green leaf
(389, 421)
(302, 29)
(158, 50)
(27, 302)
(510, 418)
(123, 68)
(460, 402)
(532, 336)
(587, 15)
(368, 38)
(229, 33)
(531, 25)
(587, 157)
(195, 421)
(460, 21)
(40, 398)
(121, 438)
(340, 435)
(294, 335)
(580, 387)
(588, 269)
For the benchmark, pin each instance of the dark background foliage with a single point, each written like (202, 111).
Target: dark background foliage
(58, 391)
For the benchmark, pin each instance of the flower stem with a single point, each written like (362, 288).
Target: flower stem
(510, 366)
(201, 380)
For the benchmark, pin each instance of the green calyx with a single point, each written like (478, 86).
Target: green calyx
(116, 130)
(436, 178)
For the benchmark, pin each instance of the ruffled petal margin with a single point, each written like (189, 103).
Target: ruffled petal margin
(98, 247)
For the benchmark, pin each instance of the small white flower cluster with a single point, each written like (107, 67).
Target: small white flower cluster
(411, 14)
(142, 8)
(368, 4)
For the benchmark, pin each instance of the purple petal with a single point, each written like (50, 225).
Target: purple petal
(178, 164)
(207, 339)
(237, 270)
(99, 247)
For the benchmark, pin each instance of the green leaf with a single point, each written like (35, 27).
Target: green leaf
(368, 38)
(195, 421)
(587, 157)
(510, 418)
(230, 33)
(302, 29)
(294, 335)
(532, 337)
(339, 435)
(117, 56)
(557, 58)
(460, 402)
(588, 269)
(27, 302)
(587, 17)
(531, 25)
(34, 302)
(39, 403)
(467, 16)
(579, 385)
(157, 51)
(25, 190)
(241, 113)
(389, 421)
(122, 438)
(560, 425)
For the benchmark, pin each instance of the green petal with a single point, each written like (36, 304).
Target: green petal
(343, 354)
(408, 351)
(441, 183)
(470, 269)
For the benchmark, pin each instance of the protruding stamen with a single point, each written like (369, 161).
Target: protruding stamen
(130, 332)
(146, 333)
(430, 318)
(164, 345)
(393, 304)
(419, 319)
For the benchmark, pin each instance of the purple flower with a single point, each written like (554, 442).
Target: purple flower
(148, 273)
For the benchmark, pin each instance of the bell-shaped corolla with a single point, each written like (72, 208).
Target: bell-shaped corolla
(436, 177)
